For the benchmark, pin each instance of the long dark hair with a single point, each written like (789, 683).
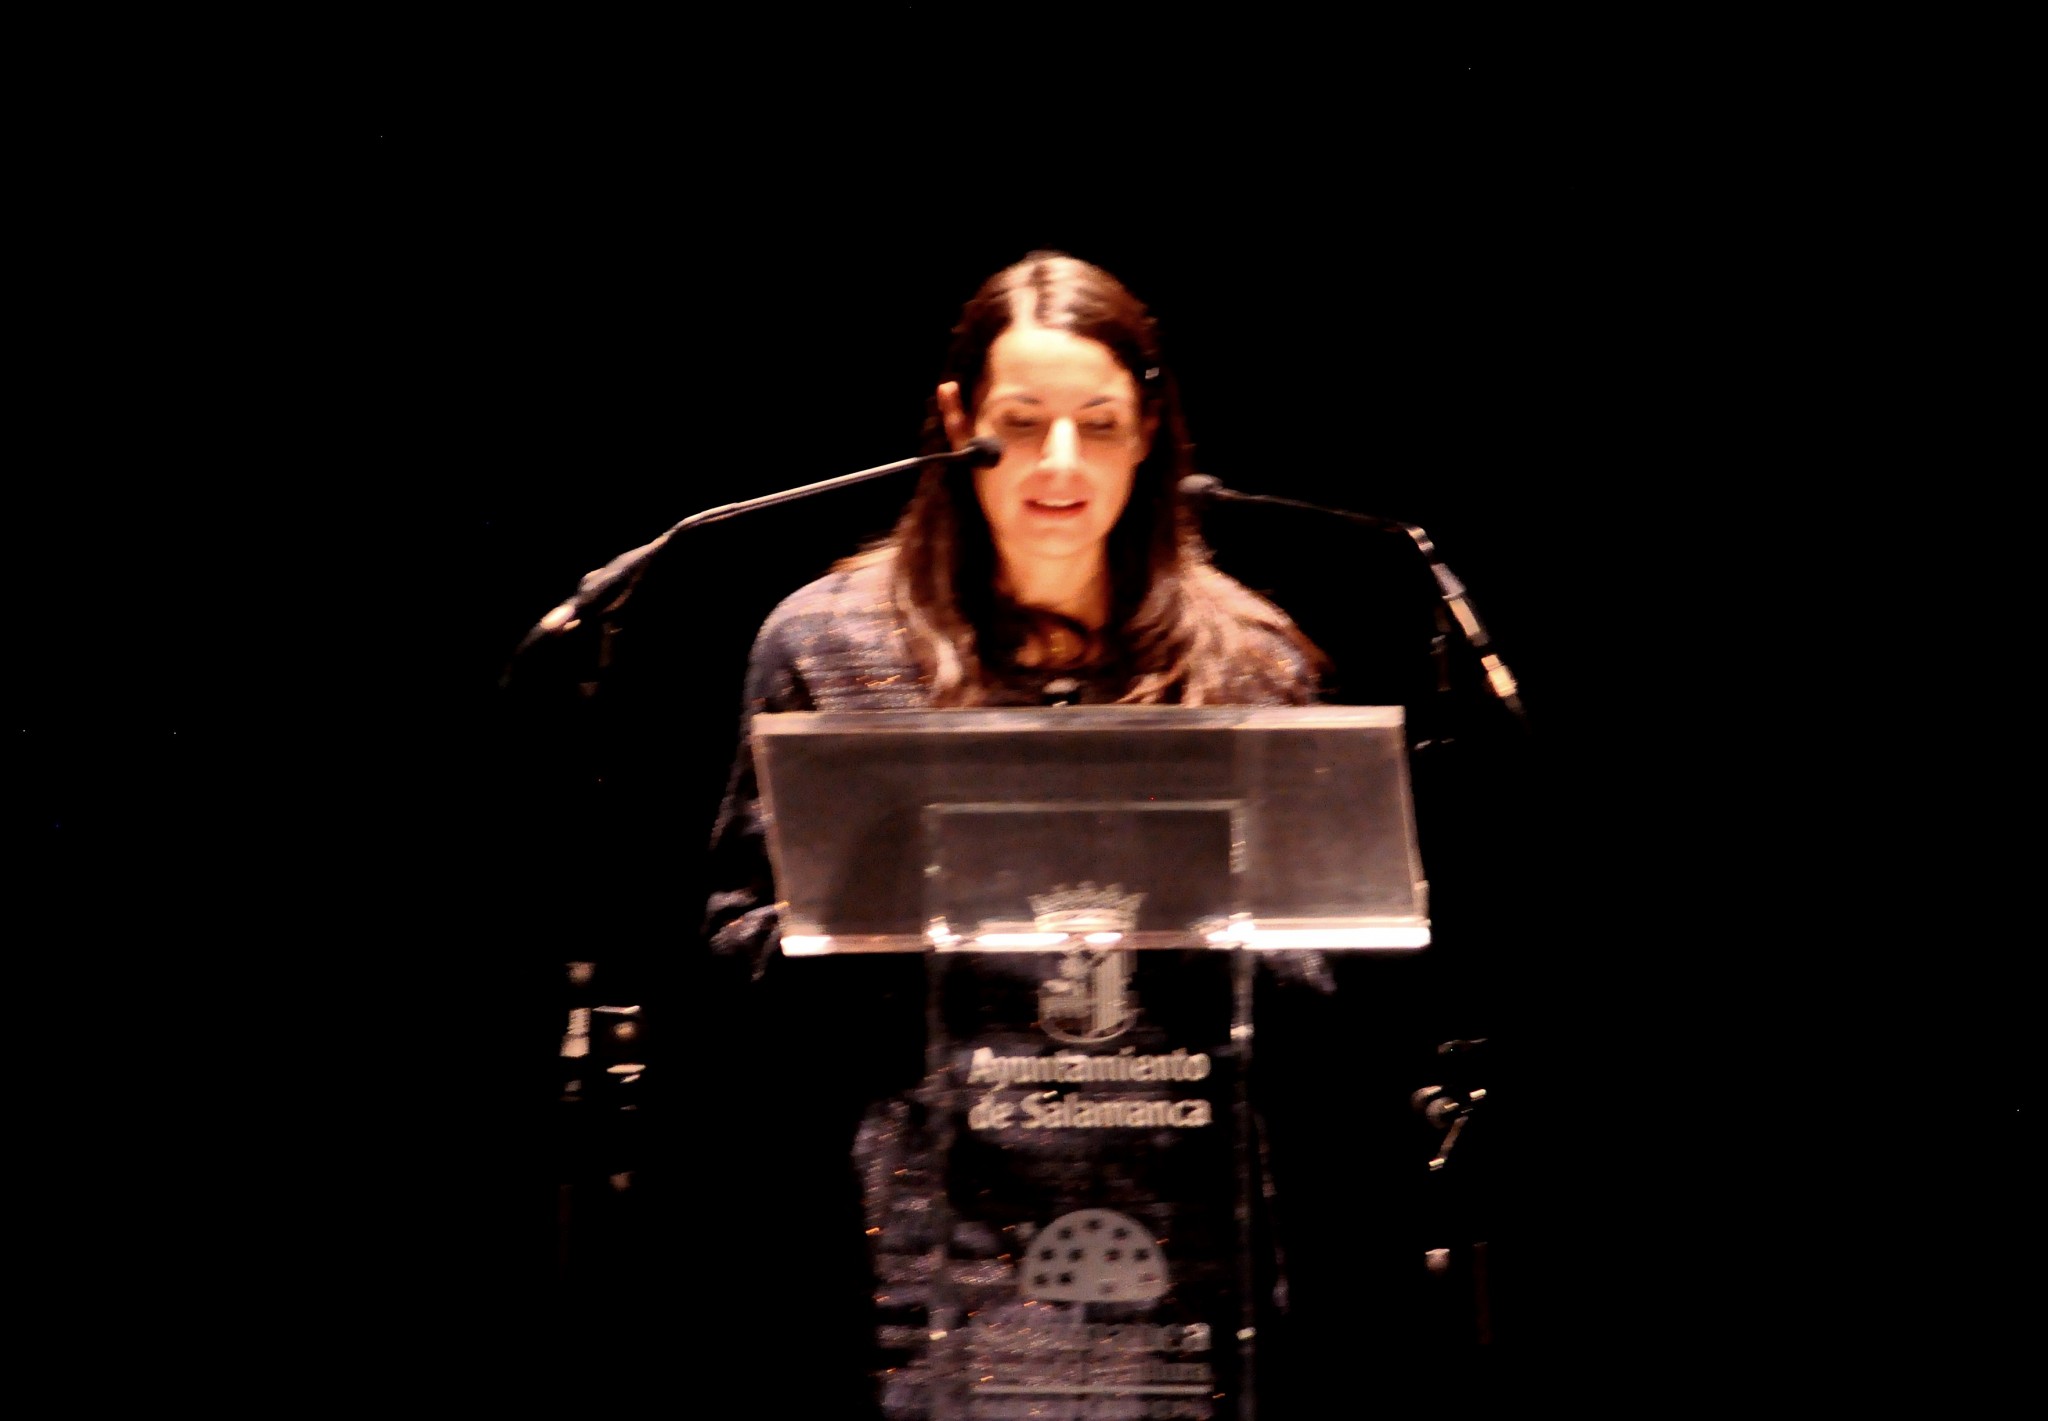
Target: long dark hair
(1180, 630)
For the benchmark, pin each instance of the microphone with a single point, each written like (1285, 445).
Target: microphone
(623, 572)
(980, 452)
(1200, 490)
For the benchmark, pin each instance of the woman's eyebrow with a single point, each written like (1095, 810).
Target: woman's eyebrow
(1023, 399)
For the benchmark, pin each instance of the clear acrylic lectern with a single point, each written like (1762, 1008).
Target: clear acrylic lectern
(1093, 886)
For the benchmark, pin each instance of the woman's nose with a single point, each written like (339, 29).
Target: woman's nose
(1062, 446)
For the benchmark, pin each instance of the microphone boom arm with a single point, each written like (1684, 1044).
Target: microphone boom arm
(1452, 592)
(624, 571)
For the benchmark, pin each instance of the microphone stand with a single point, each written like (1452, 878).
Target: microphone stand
(595, 1031)
(1460, 1259)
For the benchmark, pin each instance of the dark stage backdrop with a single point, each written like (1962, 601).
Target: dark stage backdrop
(589, 338)
(317, 427)
(531, 350)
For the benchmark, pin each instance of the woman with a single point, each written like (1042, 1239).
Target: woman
(1068, 572)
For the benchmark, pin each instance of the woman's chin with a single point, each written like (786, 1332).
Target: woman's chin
(1055, 545)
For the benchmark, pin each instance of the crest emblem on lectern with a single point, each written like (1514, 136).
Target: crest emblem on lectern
(1093, 1256)
(1088, 999)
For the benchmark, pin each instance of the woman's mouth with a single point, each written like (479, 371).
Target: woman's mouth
(1056, 507)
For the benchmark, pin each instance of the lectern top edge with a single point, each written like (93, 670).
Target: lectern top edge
(1012, 720)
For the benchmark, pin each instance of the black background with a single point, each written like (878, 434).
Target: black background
(1434, 309)
(333, 422)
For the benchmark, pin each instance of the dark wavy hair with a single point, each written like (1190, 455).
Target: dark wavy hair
(1178, 629)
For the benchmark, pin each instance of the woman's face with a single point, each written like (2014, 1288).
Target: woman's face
(1068, 417)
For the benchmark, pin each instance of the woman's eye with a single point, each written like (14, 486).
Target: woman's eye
(1101, 427)
(1017, 421)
